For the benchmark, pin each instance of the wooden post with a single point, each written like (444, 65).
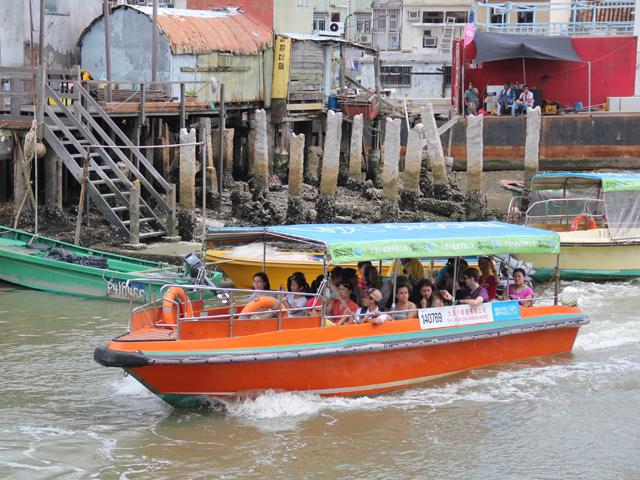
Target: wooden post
(41, 100)
(107, 47)
(171, 218)
(183, 107)
(342, 58)
(143, 113)
(134, 216)
(14, 86)
(221, 143)
(154, 43)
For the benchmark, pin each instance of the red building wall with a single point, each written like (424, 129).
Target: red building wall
(260, 11)
(613, 71)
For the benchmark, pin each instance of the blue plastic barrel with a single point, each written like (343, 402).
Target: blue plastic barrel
(578, 106)
(333, 101)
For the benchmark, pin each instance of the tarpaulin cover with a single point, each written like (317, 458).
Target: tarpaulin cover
(501, 46)
(361, 242)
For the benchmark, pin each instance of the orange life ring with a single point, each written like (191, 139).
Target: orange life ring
(591, 223)
(259, 303)
(169, 307)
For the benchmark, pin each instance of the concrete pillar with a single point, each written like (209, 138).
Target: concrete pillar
(20, 184)
(134, 216)
(227, 154)
(331, 159)
(251, 144)
(391, 160)
(532, 147)
(413, 158)
(296, 163)
(162, 159)
(434, 145)
(261, 167)
(188, 170)
(355, 152)
(475, 125)
(53, 179)
(171, 217)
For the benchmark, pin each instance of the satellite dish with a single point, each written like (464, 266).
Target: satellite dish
(214, 85)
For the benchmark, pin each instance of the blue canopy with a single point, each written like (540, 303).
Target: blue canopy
(361, 242)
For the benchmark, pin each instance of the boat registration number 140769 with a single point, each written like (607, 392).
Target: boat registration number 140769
(460, 315)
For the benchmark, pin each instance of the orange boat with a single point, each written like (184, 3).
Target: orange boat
(207, 348)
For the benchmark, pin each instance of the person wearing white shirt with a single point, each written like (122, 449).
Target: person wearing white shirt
(525, 101)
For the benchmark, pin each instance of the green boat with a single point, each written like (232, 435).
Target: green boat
(53, 266)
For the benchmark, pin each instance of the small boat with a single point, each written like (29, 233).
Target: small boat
(597, 216)
(190, 352)
(514, 187)
(50, 265)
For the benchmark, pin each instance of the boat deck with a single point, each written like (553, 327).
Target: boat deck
(148, 335)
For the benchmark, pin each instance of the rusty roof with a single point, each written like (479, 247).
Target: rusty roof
(204, 31)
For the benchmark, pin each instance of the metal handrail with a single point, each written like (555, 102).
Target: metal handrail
(586, 210)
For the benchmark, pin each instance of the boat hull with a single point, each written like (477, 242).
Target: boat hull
(29, 268)
(588, 256)
(350, 360)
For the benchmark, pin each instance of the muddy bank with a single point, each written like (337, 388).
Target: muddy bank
(361, 202)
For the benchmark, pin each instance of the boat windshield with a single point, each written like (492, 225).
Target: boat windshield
(623, 213)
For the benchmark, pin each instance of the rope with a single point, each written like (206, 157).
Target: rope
(30, 142)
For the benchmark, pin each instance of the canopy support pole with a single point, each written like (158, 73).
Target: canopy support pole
(455, 280)
(557, 286)
(524, 73)
(589, 88)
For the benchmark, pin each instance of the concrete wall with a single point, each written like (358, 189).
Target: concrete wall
(62, 30)
(429, 86)
(288, 16)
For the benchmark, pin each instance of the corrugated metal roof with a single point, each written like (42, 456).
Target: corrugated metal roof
(205, 31)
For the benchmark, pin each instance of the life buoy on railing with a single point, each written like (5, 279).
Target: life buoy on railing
(259, 303)
(170, 308)
(591, 223)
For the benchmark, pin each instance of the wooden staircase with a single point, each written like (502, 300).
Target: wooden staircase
(76, 137)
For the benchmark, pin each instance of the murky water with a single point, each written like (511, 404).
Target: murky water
(570, 416)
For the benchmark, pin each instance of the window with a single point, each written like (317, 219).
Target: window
(525, 17)
(50, 6)
(363, 24)
(335, 17)
(497, 15)
(433, 17)
(380, 19)
(460, 17)
(393, 19)
(319, 22)
(395, 76)
(447, 76)
(303, 3)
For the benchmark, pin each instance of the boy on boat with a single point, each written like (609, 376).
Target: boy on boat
(473, 294)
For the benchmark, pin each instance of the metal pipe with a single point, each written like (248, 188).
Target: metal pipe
(455, 280)
(204, 191)
(154, 42)
(107, 47)
(557, 286)
(589, 88)
(232, 309)
(221, 144)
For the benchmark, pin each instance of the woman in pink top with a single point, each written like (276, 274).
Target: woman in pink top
(519, 291)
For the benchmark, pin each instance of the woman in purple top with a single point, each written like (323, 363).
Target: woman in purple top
(519, 291)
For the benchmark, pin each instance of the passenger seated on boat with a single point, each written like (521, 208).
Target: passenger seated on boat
(260, 282)
(362, 281)
(401, 280)
(473, 294)
(426, 295)
(519, 291)
(489, 278)
(407, 266)
(350, 275)
(315, 285)
(374, 281)
(370, 313)
(462, 266)
(338, 312)
(447, 286)
(335, 277)
(294, 302)
(405, 308)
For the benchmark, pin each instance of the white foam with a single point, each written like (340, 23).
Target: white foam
(129, 387)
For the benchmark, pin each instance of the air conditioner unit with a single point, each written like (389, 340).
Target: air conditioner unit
(413, 15)
(335, 29)
(429, 42)
(364, 38)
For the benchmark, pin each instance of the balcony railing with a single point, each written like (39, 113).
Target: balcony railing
(613, 17)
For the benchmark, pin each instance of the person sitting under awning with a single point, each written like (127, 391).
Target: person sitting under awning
(507, 99)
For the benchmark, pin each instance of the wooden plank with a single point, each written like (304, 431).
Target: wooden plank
(24, 251)
(304, 106)
(223, 68)
(306, 77)
(306, 68)
(307, 88)
(18, 94)
(306, 96)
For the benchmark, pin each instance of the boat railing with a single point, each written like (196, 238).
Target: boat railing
(567, 215)
(514, 212)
